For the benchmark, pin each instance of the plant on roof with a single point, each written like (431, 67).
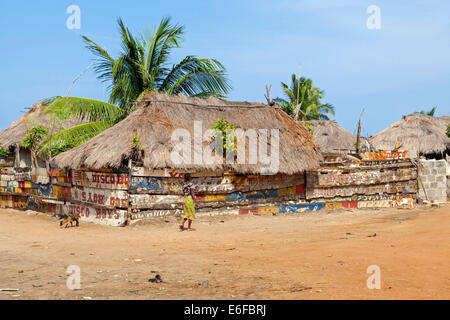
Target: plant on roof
(226, 130)
(136, 143)
(143, 65)
(302, 92)
(137, 153)
(428, 113)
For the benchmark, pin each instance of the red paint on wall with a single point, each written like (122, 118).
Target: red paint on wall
(243, 211)
(199, 198)
(66, 193)
(247, 211)
(350, 204)
(300, 189)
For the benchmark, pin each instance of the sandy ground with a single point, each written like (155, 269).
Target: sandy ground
(323, 255)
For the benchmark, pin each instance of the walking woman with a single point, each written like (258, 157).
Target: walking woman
(188, 202)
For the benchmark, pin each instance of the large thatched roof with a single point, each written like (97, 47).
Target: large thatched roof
(416, 133)
(331, 137)
(158, 115)
(38, 114)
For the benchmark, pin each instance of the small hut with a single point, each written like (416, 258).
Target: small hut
(331, 137)
(418, 134)
(21, 184)
(137, 164)
(12, 136)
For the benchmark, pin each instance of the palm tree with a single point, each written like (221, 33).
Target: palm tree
(428, 113)
(142, 65)
(301, 91)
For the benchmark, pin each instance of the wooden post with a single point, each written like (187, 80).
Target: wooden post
(358, 137)
(129, 213)
(17, 157)
(267, 95)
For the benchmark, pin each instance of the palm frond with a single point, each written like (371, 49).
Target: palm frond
(88, 109)
(194, 76)
(103, 66)
(71, 138)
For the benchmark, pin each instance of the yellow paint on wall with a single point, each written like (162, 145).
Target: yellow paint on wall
(333, 205)
(215, 197)
(286, 191)
(57, 192)
(268, 210)
(27, 184)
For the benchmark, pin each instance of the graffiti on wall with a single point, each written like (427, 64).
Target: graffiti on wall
(261, 194)
(113, 217)
(113, 198)
(385, 155)
(101, 180)
(349, 191)
(149, 200)
(156, 213)
(368, 177)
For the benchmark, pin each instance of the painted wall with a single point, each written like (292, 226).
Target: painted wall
(110, 196)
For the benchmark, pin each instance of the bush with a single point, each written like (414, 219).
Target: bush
(222, 127)
(3, 152)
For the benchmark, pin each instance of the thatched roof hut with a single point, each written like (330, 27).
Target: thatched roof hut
(331, 137)
(157, 116)
(38, 114)
(416, 133)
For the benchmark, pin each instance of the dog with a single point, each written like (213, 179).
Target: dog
(70, 219)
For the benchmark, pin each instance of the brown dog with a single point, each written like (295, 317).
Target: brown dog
(69, 219)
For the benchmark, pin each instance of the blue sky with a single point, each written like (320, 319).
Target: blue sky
(401, 68)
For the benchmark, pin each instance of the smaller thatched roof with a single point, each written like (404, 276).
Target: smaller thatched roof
(331, 137)
(415, 133)
(158, 115)
(38, 114)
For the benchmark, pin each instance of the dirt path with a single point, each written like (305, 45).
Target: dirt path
(321, 255)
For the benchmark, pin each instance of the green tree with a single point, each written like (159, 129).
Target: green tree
(301, 91)
(428, 113)
(32, 141)
(142, 66)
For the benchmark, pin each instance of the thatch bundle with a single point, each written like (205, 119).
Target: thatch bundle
(38, 114)
(157, 116)
(331, 137)
(415, 133)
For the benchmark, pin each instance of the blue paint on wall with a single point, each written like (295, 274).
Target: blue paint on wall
(150, 183)
(293, 208)
(45, 190)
